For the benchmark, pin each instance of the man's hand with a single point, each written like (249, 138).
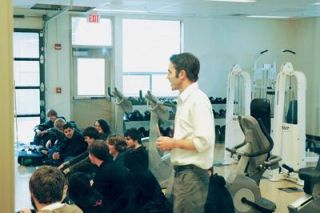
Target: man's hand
(56, 156)
(165, 143)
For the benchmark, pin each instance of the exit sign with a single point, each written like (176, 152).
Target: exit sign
(93, 18)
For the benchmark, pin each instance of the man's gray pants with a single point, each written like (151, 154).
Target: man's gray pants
(190, 189)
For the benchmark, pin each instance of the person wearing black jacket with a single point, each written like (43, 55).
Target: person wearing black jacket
(81, 163)
(72, 145)
(133, 139)
(117, 148)
(148, 196)
(111, 179)
(42, 130)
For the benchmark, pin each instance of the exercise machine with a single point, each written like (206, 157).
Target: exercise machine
(255, 158)
(238, 103)
(159, 162)
(289, 127)
(123, 105)
(310, 202)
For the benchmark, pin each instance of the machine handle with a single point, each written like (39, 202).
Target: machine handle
(289, 51)
(272, 160)
(109, 92)
(263, 52)
(290, 169)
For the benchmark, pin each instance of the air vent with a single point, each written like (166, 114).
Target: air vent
(60, 7)
(46, 7)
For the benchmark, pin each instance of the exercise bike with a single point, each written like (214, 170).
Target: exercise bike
(310, 202)
(255, 158)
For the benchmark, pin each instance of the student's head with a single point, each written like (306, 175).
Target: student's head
(68, 130)
(46, 186)
(52, 115)
(133, 137)
(183, 67)
(116, 144)
(59, 123)
(90, 134)
(99, 153)
(102, 126)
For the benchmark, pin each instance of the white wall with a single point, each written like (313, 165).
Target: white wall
(307, 34)
(58, 65)
(221, 43)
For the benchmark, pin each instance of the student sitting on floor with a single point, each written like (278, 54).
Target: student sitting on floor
(133, 139)
(110, 179)
(81, 163)
(47, 188)
(72, 145)
(103, 128)
(147, 190)
(117, 148)
(41, 130)
(83, 195)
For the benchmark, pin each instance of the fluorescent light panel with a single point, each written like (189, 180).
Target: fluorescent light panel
(235, 1)
(270, 17)
(316, 3)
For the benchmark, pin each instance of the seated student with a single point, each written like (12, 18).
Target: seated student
(81, 163)
(133, 139)
(83, 195)
(72, 145)
(47, 188)
(103, 128)
(117, 147)
(56, 135)
(41, 130)
(110, 179)
(147, 190)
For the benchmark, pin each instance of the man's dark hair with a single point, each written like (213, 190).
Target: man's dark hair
(134, 134)
(68, 125)
(187, 62)
(104, 126)
(52, 112)
(119, 142)
(100, 150)
(91, 132)
(47, 184)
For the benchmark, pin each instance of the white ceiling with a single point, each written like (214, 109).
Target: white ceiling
(200, 8)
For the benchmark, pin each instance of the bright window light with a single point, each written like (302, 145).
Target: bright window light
(148, 44)
(147, 47)
(91, 77)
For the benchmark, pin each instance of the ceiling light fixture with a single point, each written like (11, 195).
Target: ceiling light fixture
(270, 17)
(235, 1)
(316, 3)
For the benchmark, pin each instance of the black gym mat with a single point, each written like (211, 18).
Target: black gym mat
(291, 189)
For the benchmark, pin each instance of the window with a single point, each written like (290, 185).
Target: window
(92, 46)
(147, 46)
(91, 77)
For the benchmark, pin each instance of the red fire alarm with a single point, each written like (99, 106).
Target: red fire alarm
(58, 90)
(57, 46)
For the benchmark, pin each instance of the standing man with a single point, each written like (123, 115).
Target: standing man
(192, 145)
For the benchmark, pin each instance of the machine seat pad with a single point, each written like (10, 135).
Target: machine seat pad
(309, 174)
